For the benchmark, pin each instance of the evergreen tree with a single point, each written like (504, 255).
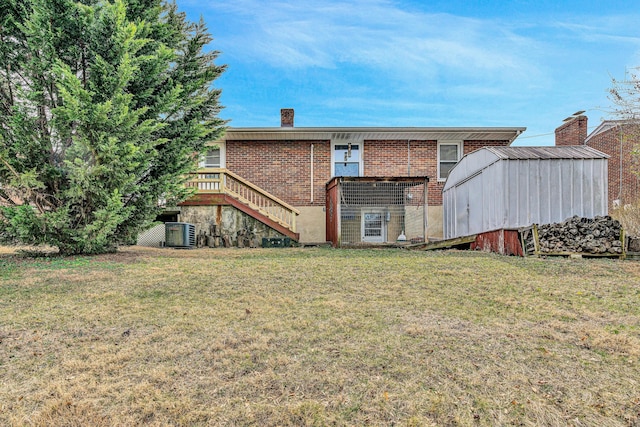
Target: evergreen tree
(104, 106)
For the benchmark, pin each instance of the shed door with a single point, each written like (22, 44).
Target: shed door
(373, 226)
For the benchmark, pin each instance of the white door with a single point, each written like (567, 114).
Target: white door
(373, 226)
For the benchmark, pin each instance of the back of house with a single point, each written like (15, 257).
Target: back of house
(275, 182)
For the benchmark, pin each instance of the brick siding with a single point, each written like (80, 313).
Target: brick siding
(619, 143)
(573, 132)
(283, 167)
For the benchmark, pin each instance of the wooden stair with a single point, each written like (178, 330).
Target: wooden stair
(220, 186)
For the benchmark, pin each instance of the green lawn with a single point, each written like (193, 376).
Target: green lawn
(291, 337)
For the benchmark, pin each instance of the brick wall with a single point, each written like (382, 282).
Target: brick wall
(573, 132)
(387, 158)
(470, 146)
(618, 143)
(283, 169)
(404, 158)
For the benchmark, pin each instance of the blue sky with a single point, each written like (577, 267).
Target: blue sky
(420, 63)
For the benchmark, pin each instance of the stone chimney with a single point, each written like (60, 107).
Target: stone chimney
(286, 117)
(573, 131)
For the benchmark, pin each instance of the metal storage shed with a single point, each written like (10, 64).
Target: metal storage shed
(511, 187)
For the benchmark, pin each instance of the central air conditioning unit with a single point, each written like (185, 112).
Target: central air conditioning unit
(179, 235)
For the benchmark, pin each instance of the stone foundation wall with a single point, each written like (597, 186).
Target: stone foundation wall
(228, 224)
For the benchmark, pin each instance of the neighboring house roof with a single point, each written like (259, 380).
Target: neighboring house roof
(374, 133)
(605, 126)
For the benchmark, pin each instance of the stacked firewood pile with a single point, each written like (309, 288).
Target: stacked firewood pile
(599, 235)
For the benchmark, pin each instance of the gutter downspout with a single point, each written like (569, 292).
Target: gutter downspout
(408, 157)
(311, 173)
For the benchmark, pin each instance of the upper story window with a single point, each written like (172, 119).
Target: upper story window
(448, 155)
(347, 159)
(213, 157)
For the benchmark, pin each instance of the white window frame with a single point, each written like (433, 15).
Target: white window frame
(460, 146)
(223, 158)
(360, 145)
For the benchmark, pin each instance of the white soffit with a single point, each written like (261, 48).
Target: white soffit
(362, 134)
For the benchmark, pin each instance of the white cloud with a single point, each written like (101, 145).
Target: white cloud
(378, 35)
(608, 30)
(363, 62)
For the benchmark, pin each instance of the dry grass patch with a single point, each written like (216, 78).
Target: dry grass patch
(318, 337)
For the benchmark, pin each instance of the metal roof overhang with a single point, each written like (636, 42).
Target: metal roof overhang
(373, 133)
(418, 179)
(415, 180)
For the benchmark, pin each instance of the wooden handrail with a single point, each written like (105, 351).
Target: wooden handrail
(260, 190)
(223, 181)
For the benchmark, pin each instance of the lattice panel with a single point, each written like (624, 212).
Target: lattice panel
(153, 237)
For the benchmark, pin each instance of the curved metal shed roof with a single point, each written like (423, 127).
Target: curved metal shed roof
(473, 163)
(564, 152)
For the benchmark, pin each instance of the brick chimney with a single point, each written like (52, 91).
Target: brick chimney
(572, 132)
(286, 117)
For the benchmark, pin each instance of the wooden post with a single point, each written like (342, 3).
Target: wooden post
(536, 242)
